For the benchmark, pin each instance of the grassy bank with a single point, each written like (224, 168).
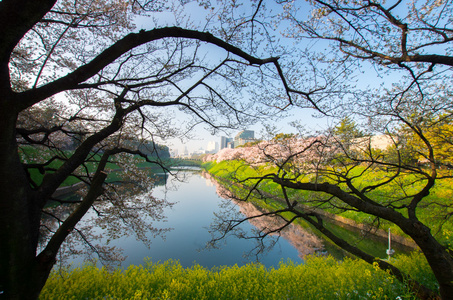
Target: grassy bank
(440, 194)
(38, 155)
(354, 234)
(318, 278)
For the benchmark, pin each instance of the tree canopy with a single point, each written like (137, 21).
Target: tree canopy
(109, 77)
(86, 88)
(389, 66)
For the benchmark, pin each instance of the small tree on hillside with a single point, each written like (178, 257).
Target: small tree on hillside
(347, 131)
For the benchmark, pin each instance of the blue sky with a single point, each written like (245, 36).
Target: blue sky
(200, 136)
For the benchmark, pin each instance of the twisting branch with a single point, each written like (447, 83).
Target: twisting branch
(47, 256)
(132, 40)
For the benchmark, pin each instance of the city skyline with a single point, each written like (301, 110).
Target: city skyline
(215, 144)
(201, 136)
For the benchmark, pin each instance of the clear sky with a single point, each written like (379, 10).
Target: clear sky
(200, 136)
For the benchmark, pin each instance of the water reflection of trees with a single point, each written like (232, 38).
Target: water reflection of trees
(266, 225)
(127, 209)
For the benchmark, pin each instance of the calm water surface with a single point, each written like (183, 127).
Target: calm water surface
(196, 201)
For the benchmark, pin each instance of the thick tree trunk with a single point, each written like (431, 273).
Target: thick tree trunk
(438, 257)
(440, 261)
(19, 219)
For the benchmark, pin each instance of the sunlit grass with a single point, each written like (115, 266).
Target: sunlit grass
(431, 211)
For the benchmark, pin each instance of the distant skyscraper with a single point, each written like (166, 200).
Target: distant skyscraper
(213, 147)
(224, 142)
(244, 137)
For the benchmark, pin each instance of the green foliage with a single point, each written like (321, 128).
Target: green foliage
(227, 168)
(283, 136)
(177, 162)
(432, 214)
(318, 278)
(347, 130)
(417, 266)
(41, 155)
(208, 165)
(33, 155)
(438, 130)
(225, 171)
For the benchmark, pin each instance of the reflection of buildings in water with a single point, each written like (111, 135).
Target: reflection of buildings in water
(306, 243)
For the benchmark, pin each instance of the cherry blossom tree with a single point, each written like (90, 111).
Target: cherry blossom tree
(392, 64)
(82, 87)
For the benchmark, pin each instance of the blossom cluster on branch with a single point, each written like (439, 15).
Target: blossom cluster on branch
(294, 150)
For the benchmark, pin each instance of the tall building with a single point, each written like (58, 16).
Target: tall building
(243, 137)
(224, 141)
(174, 153)
(213, 147)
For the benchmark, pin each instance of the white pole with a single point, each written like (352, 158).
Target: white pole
(390, 251)
(390, 240)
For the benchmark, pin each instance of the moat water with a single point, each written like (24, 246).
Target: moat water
(197, 202)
